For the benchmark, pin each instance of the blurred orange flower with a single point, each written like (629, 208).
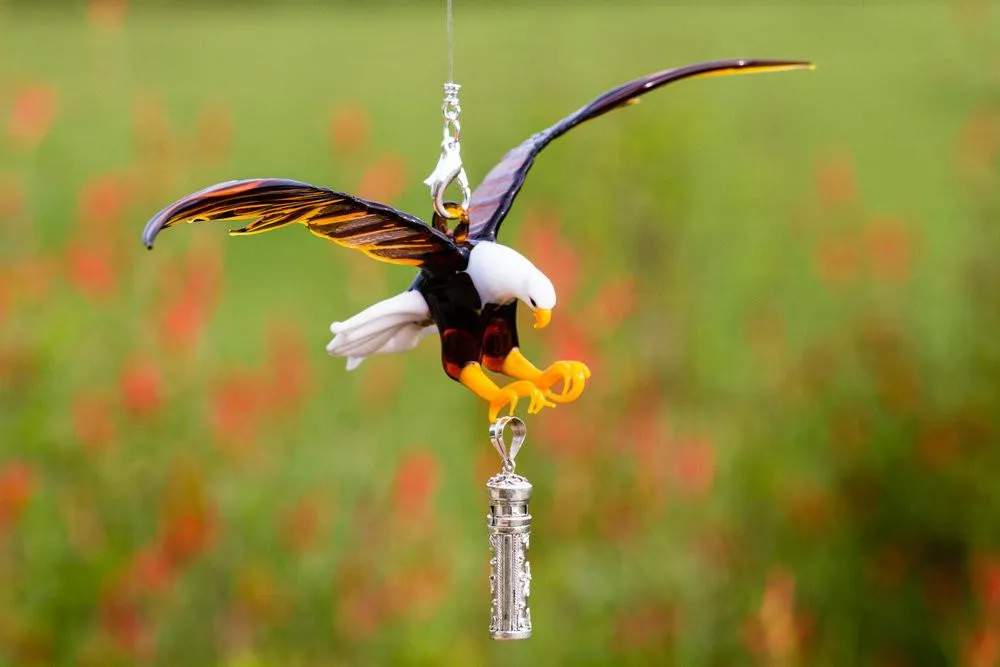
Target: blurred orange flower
(182, 321)
(123, 621)
(360, 613)
(141, 387)
(612, 305)
(188, 520)
(983, 648)
(349, 130)
(889, 246)
(384, 180)
(101, 204)
(190, 295)
(775, 630)
(107, 14)
(575, 343)
(836, 182)
(17, 484)
(151, 570)
(693, 465)
(986, 581)
(35, 109)
(90, 270)
(188, 533)
(416, 483)
(236, 402)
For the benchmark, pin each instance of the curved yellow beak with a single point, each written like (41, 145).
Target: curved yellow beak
(542, 317)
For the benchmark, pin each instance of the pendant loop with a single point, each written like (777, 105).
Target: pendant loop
(518, 431)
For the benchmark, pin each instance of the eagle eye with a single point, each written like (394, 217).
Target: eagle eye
(533, 304)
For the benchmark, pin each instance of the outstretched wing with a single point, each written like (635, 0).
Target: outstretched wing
(377, 230)
(493, 198)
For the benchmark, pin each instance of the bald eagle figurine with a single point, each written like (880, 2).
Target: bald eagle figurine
(468, 286)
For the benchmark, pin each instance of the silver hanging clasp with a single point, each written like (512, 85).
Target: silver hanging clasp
(449, 168)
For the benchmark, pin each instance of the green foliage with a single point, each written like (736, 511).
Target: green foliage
(785, 286)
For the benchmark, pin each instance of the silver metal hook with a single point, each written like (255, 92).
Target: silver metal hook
(518, 431)
(449, 167)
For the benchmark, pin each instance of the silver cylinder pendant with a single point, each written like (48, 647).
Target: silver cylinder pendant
(509, 522)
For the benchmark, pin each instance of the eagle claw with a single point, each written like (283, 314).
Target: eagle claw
(515, 391)
(572, 374)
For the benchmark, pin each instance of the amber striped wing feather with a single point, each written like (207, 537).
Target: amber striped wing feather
(375, 229)
(492, 200)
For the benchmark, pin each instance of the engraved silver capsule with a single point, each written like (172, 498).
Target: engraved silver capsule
(509, 523)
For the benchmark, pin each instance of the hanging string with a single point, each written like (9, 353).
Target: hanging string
(451, 44)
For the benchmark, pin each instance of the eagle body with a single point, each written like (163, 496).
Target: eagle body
(468, 286)
(473, 308)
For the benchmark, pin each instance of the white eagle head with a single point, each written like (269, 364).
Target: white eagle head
(501, 274)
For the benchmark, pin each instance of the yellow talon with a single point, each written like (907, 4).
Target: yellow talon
(473, 377)
(512, 393)
(504, 397)
(572, 374)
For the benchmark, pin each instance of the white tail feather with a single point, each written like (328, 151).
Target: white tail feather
(394, 325)
(364, 330)
(408, 302)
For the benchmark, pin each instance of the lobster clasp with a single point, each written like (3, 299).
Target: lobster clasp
(449, 168)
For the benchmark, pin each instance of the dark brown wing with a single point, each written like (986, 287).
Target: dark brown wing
(493, 198)
(377, 230)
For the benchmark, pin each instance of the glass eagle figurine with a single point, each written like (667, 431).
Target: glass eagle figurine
(468, 286)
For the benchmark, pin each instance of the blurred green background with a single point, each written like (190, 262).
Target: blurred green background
(786, 286)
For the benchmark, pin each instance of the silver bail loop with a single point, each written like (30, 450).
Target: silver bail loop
(449, 167)
(518, 431)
